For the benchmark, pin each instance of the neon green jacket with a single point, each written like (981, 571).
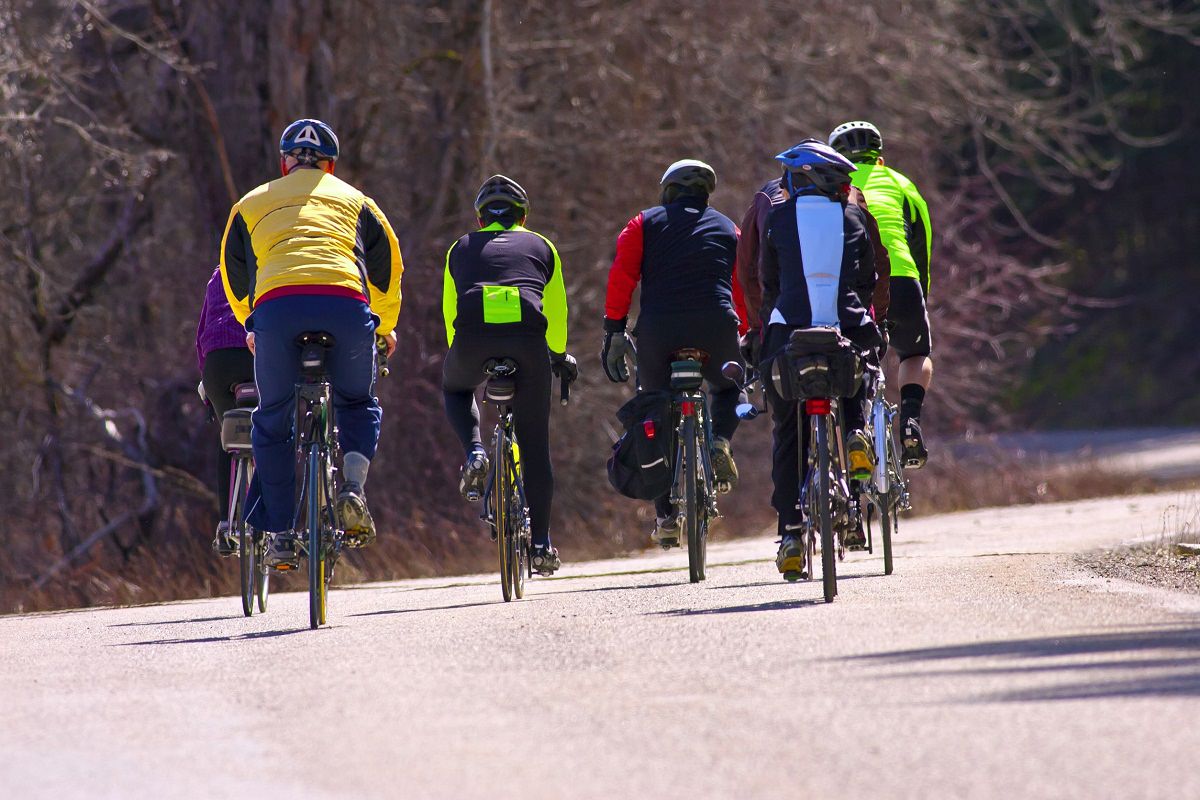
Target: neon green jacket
(498, 278)
(903, 219)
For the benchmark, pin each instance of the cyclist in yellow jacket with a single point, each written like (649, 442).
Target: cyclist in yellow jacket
(309, 252)
(904, 226)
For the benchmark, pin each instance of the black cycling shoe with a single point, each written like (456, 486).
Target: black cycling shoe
(283, 553)
(790, 559)
(354, 517)
(225, 543)
(666, 532)
(544, 560)
(725, 472)
(915, 454)
(855, 538)
(474, 476)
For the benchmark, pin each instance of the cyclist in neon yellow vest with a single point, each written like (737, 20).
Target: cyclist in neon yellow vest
(504, 297)
(904, 226)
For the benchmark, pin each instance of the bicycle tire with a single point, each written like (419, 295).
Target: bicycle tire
(316, 547)
(263, 585)
(691, 501)
(519, 550)
(500, 513)
(824, 512)
(246, 552)
(889, 503)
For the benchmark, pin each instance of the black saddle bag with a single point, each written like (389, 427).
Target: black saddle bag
(816, 362)
(640, 464)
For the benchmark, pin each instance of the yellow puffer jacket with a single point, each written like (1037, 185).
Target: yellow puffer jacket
(310, 228)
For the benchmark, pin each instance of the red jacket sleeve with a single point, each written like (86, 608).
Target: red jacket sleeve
(739, 298)
(625, 272)
(749, 255)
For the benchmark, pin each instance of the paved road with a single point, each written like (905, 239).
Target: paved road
(988, 666)
(1163, 454)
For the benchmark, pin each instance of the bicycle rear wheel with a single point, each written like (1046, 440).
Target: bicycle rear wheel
(824, 511)
(317, 587)
(518, 558)
(247, 565)
(263, 577)
(693, 518)
(500, 515)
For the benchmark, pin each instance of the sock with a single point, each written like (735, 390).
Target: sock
(354, 468)
(911, 397)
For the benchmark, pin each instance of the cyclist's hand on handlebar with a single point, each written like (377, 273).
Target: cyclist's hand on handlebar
(617, 346)
(564, 366)
(750, 346)
(390, 343)
(250, 342)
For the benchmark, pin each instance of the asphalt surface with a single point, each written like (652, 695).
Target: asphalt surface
(987, 666)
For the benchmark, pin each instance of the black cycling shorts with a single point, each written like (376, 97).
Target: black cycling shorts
(908, 319)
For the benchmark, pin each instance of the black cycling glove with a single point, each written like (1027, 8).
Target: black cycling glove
(617, 345)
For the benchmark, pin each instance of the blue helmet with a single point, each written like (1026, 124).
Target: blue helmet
(309, 140)
(812, 166)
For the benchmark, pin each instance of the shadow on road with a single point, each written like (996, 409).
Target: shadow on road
(435, 608)
(175, 621)
(774, 605)
(235, 637)
(1165, 661)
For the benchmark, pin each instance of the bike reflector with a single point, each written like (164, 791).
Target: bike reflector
(648, 429)
(817, 407)
(689, 408)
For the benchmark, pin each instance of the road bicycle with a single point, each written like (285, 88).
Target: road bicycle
(816, 359)
(255, 575)
(693, 488)
(886, 494)
(506, 508)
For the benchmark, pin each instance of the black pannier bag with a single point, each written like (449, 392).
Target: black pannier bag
(816, 362)
(640, 464)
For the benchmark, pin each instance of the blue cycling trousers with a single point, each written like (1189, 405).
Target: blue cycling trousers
(350, 365)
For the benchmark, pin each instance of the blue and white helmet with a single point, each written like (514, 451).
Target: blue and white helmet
(813, 165)
(309, 140)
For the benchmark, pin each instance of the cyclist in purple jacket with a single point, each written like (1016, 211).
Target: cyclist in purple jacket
(224, 362)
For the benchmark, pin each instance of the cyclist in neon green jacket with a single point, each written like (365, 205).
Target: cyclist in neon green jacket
(504, 297)
(904, 225)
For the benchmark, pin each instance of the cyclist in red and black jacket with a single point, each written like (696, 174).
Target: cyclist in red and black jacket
(684, 254)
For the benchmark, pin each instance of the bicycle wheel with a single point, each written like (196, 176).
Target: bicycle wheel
(889, 503)
(263, 578)
(247, 565)
(824, 512)
(693, 515)
(500, 516)
(518, 553)
(316, 547)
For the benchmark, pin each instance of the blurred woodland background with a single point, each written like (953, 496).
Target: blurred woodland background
(1053, 139)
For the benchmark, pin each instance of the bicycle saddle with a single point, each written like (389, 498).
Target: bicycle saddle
(313, 347)
(690, 354)
(501, 386)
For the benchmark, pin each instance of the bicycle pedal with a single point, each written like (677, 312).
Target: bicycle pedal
(473, 497)
(724, 487)
(794, 575)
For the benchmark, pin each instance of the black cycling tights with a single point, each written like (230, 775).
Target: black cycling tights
(463, 372)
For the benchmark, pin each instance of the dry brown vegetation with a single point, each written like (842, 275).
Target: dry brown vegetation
(129, 126)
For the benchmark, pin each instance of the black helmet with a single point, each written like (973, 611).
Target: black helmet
(503, 192)
(309, 141)
(688, 176)
(858, 141)
(814, 165)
